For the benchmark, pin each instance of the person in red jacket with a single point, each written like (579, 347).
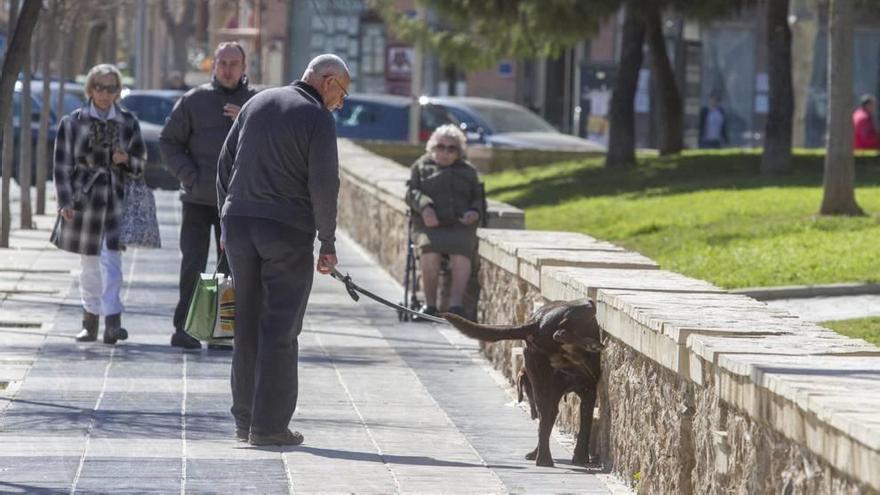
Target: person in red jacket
(864, 132)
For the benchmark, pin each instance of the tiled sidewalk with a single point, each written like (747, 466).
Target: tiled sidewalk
(385, 407)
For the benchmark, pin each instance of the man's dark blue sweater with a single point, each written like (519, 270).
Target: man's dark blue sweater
(280, 162)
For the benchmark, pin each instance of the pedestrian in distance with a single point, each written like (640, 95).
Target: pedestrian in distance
(277, 184)
(445, 196)
(97, 146)
(713, 124)
(190, 143)
(864, 131)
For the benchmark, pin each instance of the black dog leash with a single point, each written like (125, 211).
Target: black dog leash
(353, 290)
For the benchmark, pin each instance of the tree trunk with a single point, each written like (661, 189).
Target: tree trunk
(179, 32)
(112, 37)
(803, 50)
(44, 159)
(670, 111)
(26, 221)
(179, 58)
(68, 40)
(776, 158)
(8, 151)
(839, 181)
(18, 47)
(622, 132)
(93, 50)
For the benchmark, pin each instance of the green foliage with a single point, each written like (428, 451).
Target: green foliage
(473, 33)
(709, 215)
(862, 328)
(476, 33)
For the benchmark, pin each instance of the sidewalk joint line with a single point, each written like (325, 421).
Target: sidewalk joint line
(85, 452)
(358, 412)
(183, 430)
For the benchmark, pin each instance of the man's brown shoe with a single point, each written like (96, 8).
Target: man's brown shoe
(286, 437)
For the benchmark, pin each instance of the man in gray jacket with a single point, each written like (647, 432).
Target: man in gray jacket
(277, 183)
(190, 143)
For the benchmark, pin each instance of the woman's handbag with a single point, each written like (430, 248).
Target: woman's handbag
(211, 313)
(140, 227)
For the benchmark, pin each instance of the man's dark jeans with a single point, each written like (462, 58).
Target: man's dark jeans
(272, 266)
(195, 241)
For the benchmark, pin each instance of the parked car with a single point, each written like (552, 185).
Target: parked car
(17, 123)
(74, 96)
(385, 117)
(152, 107)
(505, 124)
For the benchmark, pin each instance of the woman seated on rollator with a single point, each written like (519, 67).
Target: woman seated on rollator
(445, 194)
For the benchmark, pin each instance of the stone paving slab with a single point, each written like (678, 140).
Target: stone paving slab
(385, 407)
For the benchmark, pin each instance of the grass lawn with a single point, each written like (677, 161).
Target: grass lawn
(709, 215)
(862, 328)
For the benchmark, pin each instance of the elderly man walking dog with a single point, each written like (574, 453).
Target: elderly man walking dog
(277, 183)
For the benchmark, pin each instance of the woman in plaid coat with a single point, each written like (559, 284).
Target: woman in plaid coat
(96, 148)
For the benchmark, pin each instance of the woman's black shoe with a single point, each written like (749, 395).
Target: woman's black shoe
(89, 332)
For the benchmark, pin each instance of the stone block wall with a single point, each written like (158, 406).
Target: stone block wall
(703, 391)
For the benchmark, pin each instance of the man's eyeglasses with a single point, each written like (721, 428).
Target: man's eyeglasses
(109, 88)
(344, 92)
(449, 148)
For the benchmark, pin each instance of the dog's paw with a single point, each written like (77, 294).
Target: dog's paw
(580, 459)
(544, 461)
(531, 456)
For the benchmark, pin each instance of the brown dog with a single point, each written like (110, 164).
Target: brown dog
(563, 341)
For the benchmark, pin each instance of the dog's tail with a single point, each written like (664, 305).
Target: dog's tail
(491, 333)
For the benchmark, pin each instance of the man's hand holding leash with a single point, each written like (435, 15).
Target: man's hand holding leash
(326, 263)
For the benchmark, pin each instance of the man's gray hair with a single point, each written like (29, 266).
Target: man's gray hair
(326, 65)
(450, 131)
(98, 71)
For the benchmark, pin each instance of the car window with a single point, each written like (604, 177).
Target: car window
(152, 109)
(464, 118)
(355, 114)
(511, 119)
(16, 105)
(433, 116)
(72, 101)
(36, 106)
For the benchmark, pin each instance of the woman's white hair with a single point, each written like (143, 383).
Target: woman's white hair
(448, 131)
(99, 71)
(326, 65)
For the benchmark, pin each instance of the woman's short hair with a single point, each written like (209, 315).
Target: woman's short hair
(99, 71)
(450, 131)
(865, 99)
